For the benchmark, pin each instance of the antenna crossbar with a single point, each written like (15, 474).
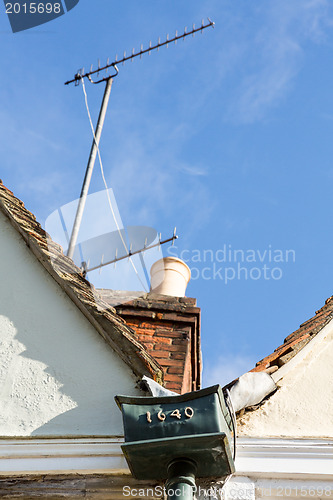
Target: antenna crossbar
(84, 265)
(82, 74)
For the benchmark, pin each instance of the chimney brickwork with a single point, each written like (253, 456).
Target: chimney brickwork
(169, 328)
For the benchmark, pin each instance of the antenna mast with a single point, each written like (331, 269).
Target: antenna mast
(99, 127)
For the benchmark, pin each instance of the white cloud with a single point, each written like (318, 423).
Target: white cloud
(153, 180)
(275, 55)
(226, 369)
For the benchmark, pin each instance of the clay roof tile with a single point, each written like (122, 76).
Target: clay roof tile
(294, 342)
(69, 277)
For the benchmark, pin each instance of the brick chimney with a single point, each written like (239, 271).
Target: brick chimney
(169, 327)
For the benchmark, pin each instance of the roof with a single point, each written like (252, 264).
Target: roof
(169, 328)
(104, 319)
(291, 346)
(298, 339)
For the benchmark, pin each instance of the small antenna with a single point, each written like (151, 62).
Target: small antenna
(86, 269)
(82, 74)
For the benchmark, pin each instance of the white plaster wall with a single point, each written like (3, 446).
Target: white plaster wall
(303, 404)
(57, 375)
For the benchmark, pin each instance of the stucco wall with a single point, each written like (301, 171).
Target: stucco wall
(303, 404)
(57, 375)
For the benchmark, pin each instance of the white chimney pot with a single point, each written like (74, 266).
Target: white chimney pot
(170, 276)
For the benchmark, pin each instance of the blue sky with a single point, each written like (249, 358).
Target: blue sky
(226, 136)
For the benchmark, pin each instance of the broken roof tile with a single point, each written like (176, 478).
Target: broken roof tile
(294, 342)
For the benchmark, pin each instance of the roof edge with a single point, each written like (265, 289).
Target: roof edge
(302, 353)
(103, 318)
(298, 340)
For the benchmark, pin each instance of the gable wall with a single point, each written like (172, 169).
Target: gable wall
(57, 375)
(303, 404)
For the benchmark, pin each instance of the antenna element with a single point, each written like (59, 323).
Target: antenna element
(81, 74)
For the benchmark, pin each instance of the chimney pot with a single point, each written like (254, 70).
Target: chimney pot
(170, 276)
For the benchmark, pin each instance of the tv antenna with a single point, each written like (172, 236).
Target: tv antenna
(87, 268)
(108, 79)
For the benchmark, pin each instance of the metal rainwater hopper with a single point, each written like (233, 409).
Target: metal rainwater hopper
(178, 438)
